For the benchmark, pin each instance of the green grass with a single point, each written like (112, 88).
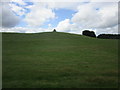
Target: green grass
(58, 60)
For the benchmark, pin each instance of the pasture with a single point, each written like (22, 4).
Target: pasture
(58, 60)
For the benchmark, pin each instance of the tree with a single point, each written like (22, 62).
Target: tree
(109, 36)
(89, 33)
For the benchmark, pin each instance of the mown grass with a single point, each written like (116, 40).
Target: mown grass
(59, 60)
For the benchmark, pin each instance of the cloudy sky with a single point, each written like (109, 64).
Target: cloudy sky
(32, 16)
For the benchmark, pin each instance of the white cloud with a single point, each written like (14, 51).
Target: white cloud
(98, 17)
(64, 25)
(24, 30)
(21, 2)
(67, 26)
(66, 0)
(89, 17)
(72, 0)
(109, 17)
(9, 19)
(39, 15)
(63, 5)
(101, 20)
(17, 9)
(111, 30)
(86, 16)
(58, 4)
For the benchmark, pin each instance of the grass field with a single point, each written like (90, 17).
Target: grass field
(58, 60)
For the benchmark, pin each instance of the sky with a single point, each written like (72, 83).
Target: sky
(33, 16)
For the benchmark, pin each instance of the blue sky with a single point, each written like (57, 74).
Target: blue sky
(71, 17)
(61, 14)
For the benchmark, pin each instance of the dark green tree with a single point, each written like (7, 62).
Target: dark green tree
(89, 33)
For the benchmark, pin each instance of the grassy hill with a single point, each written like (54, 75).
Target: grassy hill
(58, 60)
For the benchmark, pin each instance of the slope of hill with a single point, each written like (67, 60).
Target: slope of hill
(58, 60)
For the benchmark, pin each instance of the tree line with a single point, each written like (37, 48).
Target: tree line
(102, 36)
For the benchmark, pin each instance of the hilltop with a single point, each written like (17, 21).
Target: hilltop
(62, 60)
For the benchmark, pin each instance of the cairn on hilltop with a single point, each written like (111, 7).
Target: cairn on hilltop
(54, 30)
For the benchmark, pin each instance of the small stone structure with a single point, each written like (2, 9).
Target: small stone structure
(54, 30)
